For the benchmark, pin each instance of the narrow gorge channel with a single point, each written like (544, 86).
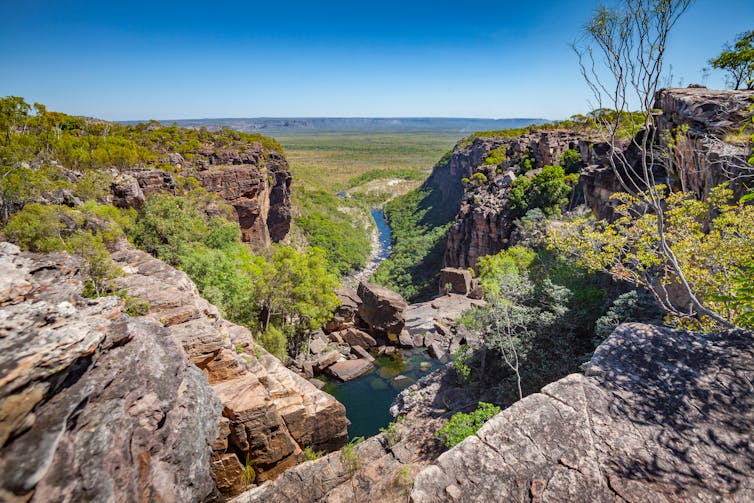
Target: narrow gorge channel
(368, 398)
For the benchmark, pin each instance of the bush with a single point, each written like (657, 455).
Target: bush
(349, 456)
(548, 190)
(571, 161)
(462, 364)
(463, 425)
(631, 306)
(496, 156)
(274, 341)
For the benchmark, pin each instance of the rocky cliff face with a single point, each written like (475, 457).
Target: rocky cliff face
(253, 179)
(660, 415)
(703, 157)
(170, 406)
(269, 413)
(483, 225)
(672, 427)
(94, 405)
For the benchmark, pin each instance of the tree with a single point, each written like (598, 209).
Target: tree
(712, 243)
(631, 43)
(13, 112)
(738, 62)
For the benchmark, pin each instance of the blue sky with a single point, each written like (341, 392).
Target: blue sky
(278, 58)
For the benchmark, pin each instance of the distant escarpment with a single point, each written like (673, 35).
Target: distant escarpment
(175, 405)
(248, 172)
(697, 121)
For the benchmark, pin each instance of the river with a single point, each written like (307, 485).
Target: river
(368, 398)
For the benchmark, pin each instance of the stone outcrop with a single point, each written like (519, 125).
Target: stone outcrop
(381, 309)
(94, 405)
(269, 413)
(255, 180)
(704, 157)
(453, 280)
(661, 415)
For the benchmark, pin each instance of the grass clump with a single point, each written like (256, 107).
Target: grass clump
(349, 456)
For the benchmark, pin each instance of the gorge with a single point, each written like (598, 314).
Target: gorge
(165, 387)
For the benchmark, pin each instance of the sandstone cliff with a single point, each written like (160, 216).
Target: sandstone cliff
(703, 157)
(97, 405)
(94, 405)
(253, 178)
(269, 413)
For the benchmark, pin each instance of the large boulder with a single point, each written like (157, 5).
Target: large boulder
(126, 192)
(355, 337)
(94, 405)
(350, 369)
(455, 280)
(661, 415)
(381, 309)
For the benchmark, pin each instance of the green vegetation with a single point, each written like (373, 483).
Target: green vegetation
(738, 62)
(309, 454)
(383, 174)
(279, 294)
(391, 432)
(713, 253)
(418, 245)
(248, 475)
(548, 190)
(328, 223)
(349, 456)
(496, 156)
(462, 425)
(335, 162)
(462, 364)
(571, 161)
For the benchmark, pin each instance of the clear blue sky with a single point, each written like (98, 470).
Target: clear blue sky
(277, 58)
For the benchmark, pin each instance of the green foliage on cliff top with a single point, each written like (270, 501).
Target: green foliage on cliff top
(463, 425)
(548, 190)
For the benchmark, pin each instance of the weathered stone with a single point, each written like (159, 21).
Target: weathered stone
(405, 339)
(436, 350)
(637, 427)
(126, 192)
(326, 359)
(454, 280)
(350, 369)
(362, 353)
(317, 383)
(94, 405)
(381, 309)
(228, 472)
(356, 337)
(316, 346)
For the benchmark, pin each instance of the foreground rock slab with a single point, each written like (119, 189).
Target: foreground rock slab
(351, 369)
(382, 309)
(94, 405)
(661, 415)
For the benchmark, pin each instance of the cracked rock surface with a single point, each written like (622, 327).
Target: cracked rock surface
(661, 415)
(94, 405)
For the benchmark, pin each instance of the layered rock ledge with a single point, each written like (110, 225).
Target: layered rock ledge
(94, 405)
(269, 413)
(661, 415)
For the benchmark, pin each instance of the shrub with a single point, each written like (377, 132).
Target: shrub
(496, 156)
(571, 161)
(136, 306)
(309, 454)
(349, 456)
(463, 425)
(274, 341)
(391, 432)
(461, 364)
(479, 178)
(547, 190)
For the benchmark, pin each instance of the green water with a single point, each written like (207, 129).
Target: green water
(368, 398)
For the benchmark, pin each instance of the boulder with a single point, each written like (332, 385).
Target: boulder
(317, 345)
(436, 351)
(326, 359)
(350, 369)
(126, 192)
(405, 339)
(362, 353)
(455, 280)
(356, 337)
(381, 309)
